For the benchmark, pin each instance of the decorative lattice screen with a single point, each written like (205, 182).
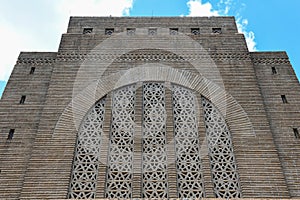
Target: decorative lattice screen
(87, 152)
(154, 166)
(120, 156)
(188, 162)
(154, 178)
(222, 160)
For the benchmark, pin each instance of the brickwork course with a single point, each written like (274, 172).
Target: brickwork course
(151, 107)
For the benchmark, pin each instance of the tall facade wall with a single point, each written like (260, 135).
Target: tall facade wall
(283, 117)
(89, 66)
(23, 118)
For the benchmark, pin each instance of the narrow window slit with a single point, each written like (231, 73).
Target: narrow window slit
(11, 134)
(274, 71)
(296, 133)
(284, 99)
(32, 70)
(22, 100)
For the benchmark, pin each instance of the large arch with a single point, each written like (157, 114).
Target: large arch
(155, 150)
(233, 113)
(228, 106)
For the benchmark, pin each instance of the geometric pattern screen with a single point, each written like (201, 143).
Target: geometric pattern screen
(87, 152)
(120, 156)
(220, 151)
(187, 144)
(154, 167)
(154, 155)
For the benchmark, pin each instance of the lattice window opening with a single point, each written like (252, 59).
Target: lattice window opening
(173, 31)
(154, 154)
(195, 31)
(152, 31)
(130, 31)
(187, 146)
(87, 30)
(223, 165)
(109, 31)
(217, 30)
(120, 157)
(86, 156)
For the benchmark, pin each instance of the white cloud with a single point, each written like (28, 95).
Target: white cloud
(11, 42)
(41, 31)
(227, 6)
(197, 8)
(224, 6)
(249, 35)
(250, 39)
(96, 7)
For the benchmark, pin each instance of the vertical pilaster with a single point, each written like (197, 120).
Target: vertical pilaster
(137, 155)
(207, 179)
(104, 148)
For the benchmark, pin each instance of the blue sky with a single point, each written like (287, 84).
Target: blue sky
(37, 25)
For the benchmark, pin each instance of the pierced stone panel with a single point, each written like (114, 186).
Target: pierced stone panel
(131, 31)
(86, 157)
(152, 31)
(222, 160)
(187, 145)
(120, 158)
(173, 31)
(195, 31)
(154, 156)
(154, 178)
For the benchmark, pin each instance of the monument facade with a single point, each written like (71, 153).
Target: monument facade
(150, 107)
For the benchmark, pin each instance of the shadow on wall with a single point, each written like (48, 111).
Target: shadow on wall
(2, 86)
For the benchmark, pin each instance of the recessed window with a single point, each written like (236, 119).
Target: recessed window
(130, 31)
(152, 31)
(173, 31)
(284, 100)
(32, 70)
(22, 100)
(109, 31)
(87, 30)
(274, 71)
(11, 134)
(195, 31)
(217, 30)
